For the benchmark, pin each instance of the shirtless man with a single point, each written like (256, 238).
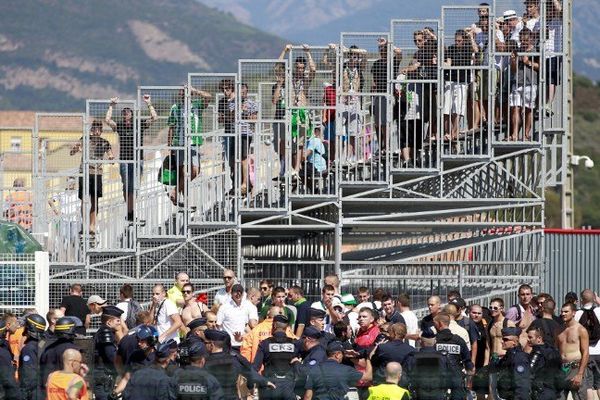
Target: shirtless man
(193, 308)
(499, 321)
(573, 345)
(523, 314)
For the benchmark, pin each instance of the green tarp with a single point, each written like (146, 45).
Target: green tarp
(15, 240)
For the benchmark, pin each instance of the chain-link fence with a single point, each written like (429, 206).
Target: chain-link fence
(24, 283)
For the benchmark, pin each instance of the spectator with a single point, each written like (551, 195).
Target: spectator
(522, 314)
(326, 304)
(315, 158)
(223, 295)
(523, 98)
(253, 295)
(226, 116)
(261, 332)
(329, 113)
(124, 128)
(390, 312)
(176, 135)
(465, 322)
(457, 81)
(278, 98)
(296, 296)
(211, 320)
(14, 335)
(574, 346)
(554, 47)
(175, 293)
(514, 26)
(193, 308)
(585, 316)
(452, 312)
(128, 305)
(68, 383)
(75, 305)
(166, 318)
(237, 317)
(364, 343)
(266, 289)
(249, 112)
(411, 320)
(547, 324)
(279, 297)
(352, 84)
(532, 10)
(18, 205)
(95, 304)
(333, 280)
(427, 326)
(65, 207)
(481, 357)
(98, 149)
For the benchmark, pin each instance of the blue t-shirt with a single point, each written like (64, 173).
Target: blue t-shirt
(316, 155)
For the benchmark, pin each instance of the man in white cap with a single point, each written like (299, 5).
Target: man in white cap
(95, 304)
(514, 22)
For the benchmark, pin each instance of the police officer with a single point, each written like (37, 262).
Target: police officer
(317, 321)
(276, 354)
(8, 384)
(193, 381)
(331, 379)
(152, 382)
(35, 326)
(144, 355)
(458, 353)
(312, 350)
(226, 366)
(196, 327)
(514, 370)
(394, 350)
(545, 365)
(105, 352)
(428, 369)
(53, 349)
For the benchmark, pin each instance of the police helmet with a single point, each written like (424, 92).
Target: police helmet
(148, 333)
(35, 326)
(65, 328)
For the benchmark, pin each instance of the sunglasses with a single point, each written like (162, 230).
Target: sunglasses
(475, 313)
(212, 321)
(264, 288)
(187, 291)
(228, 277)
(505, 339)
(494, 308)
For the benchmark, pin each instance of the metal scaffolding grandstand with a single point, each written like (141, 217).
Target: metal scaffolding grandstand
(384, 158)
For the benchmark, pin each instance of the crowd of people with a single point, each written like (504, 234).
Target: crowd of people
(273, 343)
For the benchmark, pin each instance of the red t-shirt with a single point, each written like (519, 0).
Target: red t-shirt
(329, 99)
(366, 339)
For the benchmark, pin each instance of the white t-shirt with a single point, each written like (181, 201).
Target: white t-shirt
(458, 330)
(233, 318)
(124, 306)
(163, 319)
(222, 297)
(412, 324)
(594, 350)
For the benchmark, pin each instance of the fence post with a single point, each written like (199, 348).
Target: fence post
(42, 287)
(460, 279)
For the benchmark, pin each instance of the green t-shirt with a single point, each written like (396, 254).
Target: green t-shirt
(175, 121)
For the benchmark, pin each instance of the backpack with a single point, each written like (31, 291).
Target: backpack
(519, 313)
(590, 322)
(133, 309)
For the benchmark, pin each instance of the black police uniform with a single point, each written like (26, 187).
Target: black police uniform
(127, 346)
(195, 383)
(545, 366)
(314, 356)
(51, 357)
(394, 350)
(105, 354)
(150, 383)
(8, 384)
(29, 370)
(331, 380)
(459, 357)
(275, 353)
(226, 368)
(514, 375)
(428, 370)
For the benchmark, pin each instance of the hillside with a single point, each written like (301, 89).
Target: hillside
(321, 22)
(56, 53)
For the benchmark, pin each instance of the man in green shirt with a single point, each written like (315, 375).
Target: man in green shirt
(176, 136)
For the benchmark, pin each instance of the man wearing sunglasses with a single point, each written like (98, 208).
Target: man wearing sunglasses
(514, 372)
(193, 308)
(266, 287)
(223, 295)
(499, 322)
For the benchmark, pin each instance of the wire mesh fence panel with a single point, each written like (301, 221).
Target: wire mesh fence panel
(262, 185)
(213, 132)
(311, 101)
(111, 174)
(414, 138)
(17, 283)
(162, 203)
(16, 192)
(58, 144)
(363, 107)
(466, 41)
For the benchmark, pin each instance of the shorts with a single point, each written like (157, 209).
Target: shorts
(579, 393)
(95, 186)
(523, 96)
(127, 172)
(245, 146)
(594, 372)
(554, 70)
(194, 156)
(379, 110)
(455, 98)
(329, 133)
